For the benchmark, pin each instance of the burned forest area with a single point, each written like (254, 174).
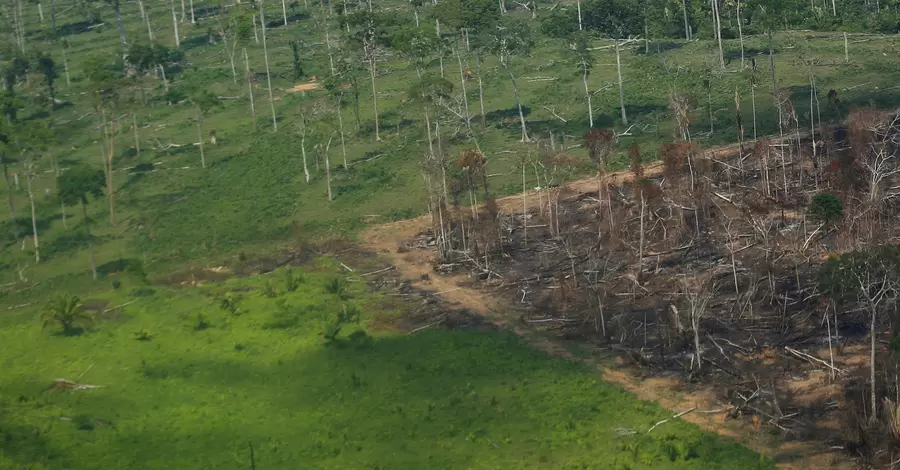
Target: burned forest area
(766, 272)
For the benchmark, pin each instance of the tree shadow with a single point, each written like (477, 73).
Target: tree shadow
(507, 116)
(659, 47)
(80, 27)
(194, 42)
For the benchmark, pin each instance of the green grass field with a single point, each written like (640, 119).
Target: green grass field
(188, 384)
(199, 395)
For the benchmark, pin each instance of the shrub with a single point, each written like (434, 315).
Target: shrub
(229, 304)
(292, 281)
(142, 335)
(826, 208)
(201, 322)
(347, 314)
(67, 312)
(336, 286)
(269, 290)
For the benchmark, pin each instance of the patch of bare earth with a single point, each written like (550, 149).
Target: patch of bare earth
(768, 376)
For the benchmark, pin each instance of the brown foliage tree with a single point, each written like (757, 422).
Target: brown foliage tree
(599, 143)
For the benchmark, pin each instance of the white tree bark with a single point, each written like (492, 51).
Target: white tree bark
(621, 86)
(34, 230)
(587, 92)
(262, 22)
(175, 25)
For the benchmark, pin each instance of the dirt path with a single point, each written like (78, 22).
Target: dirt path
(413, 265)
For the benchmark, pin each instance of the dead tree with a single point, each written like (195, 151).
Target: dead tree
(697, 292)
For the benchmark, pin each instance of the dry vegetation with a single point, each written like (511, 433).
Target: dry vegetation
(763, 270)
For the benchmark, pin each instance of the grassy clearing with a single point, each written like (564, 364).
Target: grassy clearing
(189, 384)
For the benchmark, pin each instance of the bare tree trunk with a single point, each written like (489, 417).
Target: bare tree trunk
(303, 152)
(262, 22)
(480, 89)
(372, 73)
(193, 19)
(718, 23)
(162, 71)
(640, 260)
(462, 84)
(753, 104)
(175, 25)
(341, 129)
(34, 230)
(437, 28)
(772, 62)
(687, 27)
(846, 49)
(249, 86)
(328, 46)
(200, 136)
(87, 229)
(621, 87)
(328, 174)
(12, 206)
(284, 12)
(231, 56)
(182, 11)
(66, 68)
(524, 208)
(146, 16)
(872, 395)
(740, 32)
(255, 31)
(111, 152)
(52, 18)
(137, 138)
(587, 92)
(512, 78)
(119, 25)
(578, 4)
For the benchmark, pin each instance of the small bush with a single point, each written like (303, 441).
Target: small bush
(229, 304)
(336, 286)
(347, 314)
(116, 284)
(67, 312)
(292, 281)
(142, 335)
(201, 322)
(269, 290)
(83, 422)
(142, 292)
(826, 208)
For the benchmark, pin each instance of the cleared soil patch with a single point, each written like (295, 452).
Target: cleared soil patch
(751, 386)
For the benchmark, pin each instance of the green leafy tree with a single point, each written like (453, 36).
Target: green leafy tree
(47, 67)
(826, 208)
(416, 43)
(75, 185)
(204, 101)
(67, 312)
(142, 58)
(13, 69)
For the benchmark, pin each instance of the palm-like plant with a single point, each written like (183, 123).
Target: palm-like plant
(66, 311)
